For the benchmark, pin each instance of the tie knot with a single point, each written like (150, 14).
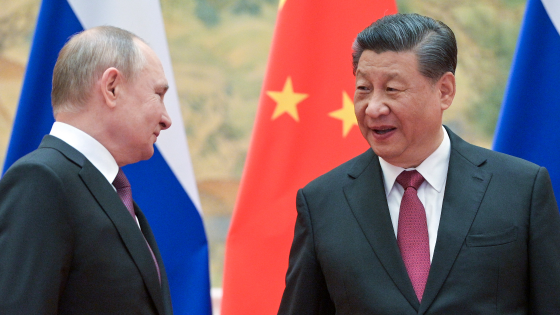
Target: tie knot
(121, 181)
(410, 179)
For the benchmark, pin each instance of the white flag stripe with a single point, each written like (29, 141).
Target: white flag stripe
(552, 7)
(147, 13)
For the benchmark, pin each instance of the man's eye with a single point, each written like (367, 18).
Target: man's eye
(390, 89)
(362, 88)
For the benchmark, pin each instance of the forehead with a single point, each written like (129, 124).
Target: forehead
(153, 66)
(388, 64)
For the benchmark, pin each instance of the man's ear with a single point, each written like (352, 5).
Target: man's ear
(111, 84)
(447, 89)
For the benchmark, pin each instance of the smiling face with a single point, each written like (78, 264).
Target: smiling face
(141, 113)
(399, 111)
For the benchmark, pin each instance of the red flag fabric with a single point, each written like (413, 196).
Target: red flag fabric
(305, 126)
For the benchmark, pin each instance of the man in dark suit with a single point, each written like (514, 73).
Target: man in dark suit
(72, 241)
(424, 222)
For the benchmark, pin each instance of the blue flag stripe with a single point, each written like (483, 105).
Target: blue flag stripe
(34, 118)
(174, 218)
(529, 124)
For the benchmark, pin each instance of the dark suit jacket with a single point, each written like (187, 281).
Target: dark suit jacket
(497, 250)
(68, 244)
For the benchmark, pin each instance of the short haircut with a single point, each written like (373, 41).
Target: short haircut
(432, 41)
(85, 57)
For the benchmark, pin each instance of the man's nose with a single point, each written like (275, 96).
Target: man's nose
(377, 106)
(165, 121)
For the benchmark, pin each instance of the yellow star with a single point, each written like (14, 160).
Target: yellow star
(281, 4)
(346, 114)
(287, 100)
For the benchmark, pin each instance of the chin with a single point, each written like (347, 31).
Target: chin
(381, 150)
(387, 155)
(146, 155)
(378, 152)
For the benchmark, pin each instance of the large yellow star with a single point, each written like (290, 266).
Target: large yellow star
(287, 100)
(281, 4)
(346, 114)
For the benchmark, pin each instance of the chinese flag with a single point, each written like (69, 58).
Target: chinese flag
(305, 126)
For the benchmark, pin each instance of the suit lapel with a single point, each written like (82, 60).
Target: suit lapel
(164, 295)
(117, 213)
(128, 229)
(465, 187)
(367, 200)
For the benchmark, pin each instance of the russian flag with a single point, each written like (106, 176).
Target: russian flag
(164, 186)
(529, 123)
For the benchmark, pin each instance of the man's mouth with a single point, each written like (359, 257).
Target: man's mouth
(382, 131)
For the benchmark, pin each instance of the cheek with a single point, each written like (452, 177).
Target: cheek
(359, 110)
(428, 117)
(151, 114)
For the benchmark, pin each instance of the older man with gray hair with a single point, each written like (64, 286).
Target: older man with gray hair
(72, 240)
(423, 222)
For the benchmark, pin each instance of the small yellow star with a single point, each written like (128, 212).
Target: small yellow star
(346, 114)
(281, 4)
(287, 100)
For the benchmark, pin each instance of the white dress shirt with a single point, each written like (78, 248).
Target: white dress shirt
(94, 151)
(434, 170)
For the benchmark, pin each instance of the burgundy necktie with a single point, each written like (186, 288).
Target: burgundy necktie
(125, 193)
(412, 234)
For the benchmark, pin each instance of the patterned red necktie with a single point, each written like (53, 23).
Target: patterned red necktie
(125, 193)
(412, 234)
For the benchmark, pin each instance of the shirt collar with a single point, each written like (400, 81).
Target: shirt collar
(94, 151)
(433, 168)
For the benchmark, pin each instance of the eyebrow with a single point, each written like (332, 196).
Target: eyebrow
(388, 76)
(392, 75)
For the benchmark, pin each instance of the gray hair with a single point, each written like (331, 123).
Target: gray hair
(85, 57)
(432, 41)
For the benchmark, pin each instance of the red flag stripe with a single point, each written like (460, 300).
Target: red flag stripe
(312, 47)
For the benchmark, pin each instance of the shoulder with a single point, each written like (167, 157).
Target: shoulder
(36, 167)
(35, 184)
(53, 154)
(44, 166)
(492, 161)
(42, 160)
